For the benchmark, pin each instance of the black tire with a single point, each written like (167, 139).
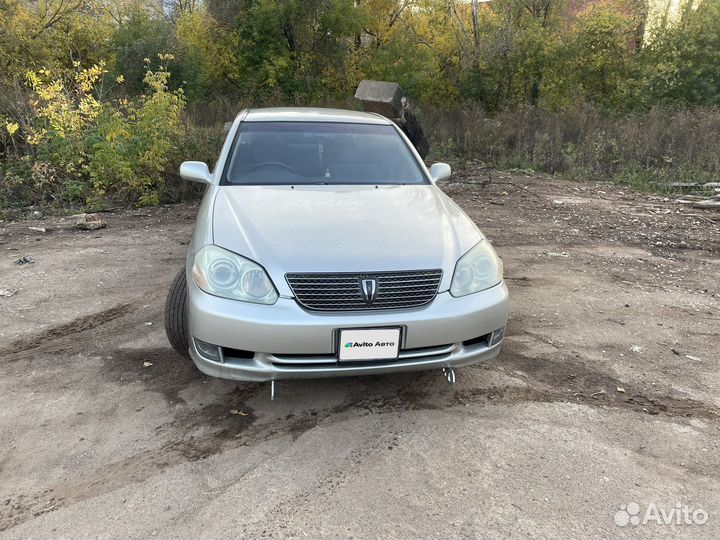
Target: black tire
(176, 326)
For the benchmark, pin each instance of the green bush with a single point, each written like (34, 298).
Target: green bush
(129, 146)
(197, 144)
(83, 149)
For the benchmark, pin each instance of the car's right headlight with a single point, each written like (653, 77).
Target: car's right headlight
(223, 273)
(477, 270)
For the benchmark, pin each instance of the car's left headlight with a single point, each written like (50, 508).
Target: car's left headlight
(223, 273)
(477, 270)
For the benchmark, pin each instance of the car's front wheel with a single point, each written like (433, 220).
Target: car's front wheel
(176, 326)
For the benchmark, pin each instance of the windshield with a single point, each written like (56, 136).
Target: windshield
(320, 153)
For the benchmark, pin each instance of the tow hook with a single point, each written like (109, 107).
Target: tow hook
(272, 390)
(450, 375)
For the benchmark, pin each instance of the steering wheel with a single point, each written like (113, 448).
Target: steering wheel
(272, 164)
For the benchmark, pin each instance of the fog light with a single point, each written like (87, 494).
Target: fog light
(496, 337)
(211, 352)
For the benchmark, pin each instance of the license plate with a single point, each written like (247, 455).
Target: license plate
(369, 344)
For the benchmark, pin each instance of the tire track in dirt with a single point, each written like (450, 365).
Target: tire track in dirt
(184, 443)
(168, 374)
(63, 336)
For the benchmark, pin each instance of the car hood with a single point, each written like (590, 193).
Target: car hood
(322, 228)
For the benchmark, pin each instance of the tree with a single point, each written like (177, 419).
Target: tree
(596, 59)
(296, 48)
(680, 64)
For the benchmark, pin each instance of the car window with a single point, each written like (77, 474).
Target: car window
(320, 152)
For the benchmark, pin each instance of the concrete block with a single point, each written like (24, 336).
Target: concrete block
(380, 97)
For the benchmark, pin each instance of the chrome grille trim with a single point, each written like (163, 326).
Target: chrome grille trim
(343, 292)
(315, 359)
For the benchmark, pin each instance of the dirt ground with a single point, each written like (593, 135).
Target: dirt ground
(606, 393)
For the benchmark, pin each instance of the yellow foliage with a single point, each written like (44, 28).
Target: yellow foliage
(61, 110)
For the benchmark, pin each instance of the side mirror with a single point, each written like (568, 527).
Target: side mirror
(440, 171)
(195, 171)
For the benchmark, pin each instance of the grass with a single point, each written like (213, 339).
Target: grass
(646, 151)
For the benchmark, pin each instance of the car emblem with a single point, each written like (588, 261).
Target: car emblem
(369, 289)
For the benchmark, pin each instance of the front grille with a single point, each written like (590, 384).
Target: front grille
(344, 292)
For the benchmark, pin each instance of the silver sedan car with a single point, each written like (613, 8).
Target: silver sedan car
(324, 248)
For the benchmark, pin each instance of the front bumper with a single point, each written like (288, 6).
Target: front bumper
(284, 341)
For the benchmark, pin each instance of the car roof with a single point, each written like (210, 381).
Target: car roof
(311, 114)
